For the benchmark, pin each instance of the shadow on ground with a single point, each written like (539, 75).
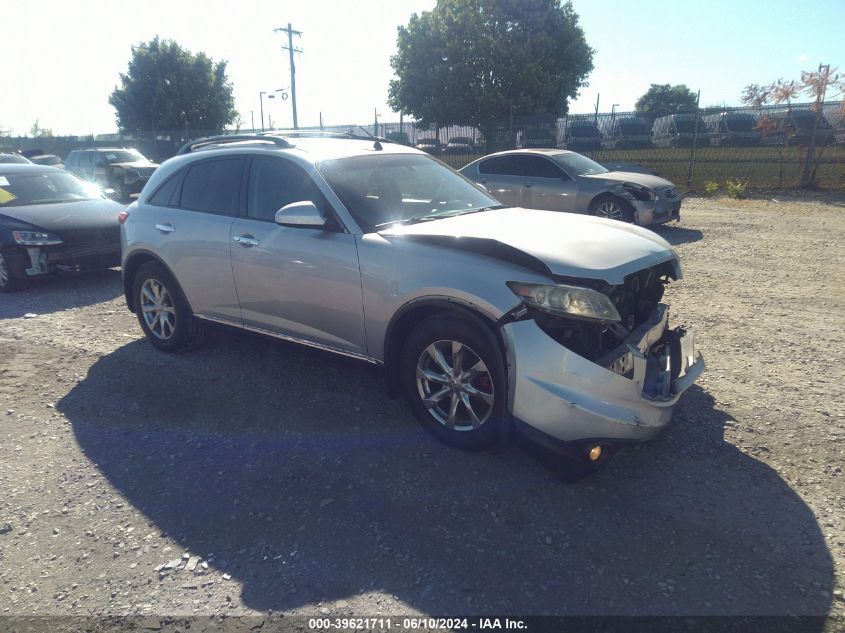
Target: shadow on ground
(308, 484)
(676, 234)
(53, 294)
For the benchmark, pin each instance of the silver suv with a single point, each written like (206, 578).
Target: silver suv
(483, 316)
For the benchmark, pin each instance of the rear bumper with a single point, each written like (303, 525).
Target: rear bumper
(572, 399)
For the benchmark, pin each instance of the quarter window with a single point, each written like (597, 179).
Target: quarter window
(212, 186)
(163, 196)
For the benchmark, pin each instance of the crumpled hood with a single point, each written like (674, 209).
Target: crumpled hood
(568, 244)
(647, 180)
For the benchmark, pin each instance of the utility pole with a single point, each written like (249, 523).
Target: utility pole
(261, 100)
(291, 50)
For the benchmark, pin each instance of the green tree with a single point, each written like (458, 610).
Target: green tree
(663, 99)
(477, 61)
(36, 131)
(169, 88)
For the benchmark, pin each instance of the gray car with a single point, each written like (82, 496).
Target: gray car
(560, 180)
(485, 317)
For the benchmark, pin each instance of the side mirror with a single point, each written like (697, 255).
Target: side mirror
(303, 214)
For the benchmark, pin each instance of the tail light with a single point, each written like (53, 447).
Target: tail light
(122, 216)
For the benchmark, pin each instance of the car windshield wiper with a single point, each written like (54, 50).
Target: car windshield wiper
(440, 216)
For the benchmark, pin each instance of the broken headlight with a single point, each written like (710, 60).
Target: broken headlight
(571, 301)
(35, 238)
(640, 192)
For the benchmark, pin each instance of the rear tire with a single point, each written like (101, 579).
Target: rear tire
(453, 377)
(162, 310)
(612, 208)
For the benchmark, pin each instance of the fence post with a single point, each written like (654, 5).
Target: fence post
(694, 141)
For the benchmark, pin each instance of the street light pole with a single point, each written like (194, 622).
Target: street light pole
(252, 119)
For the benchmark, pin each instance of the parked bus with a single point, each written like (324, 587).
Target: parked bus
(679, 130)
(734, 129)
(627, 132)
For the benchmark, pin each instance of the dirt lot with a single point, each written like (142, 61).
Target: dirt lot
(304, 489)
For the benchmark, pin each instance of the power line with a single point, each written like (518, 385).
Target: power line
(291, 50)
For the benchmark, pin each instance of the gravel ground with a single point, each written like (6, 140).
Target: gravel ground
(263, 476)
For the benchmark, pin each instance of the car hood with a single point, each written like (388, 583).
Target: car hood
(71, 221)
(565, 244)
(141, 166)
(647, 180)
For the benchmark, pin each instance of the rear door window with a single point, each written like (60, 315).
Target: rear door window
(212, 186)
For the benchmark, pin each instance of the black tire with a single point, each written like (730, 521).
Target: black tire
(185, 332)
(481, 345)
(625, 208)
(10, 279)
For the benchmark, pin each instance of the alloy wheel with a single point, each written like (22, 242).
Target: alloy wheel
(610, 210)
(158, 309)
(455, 385)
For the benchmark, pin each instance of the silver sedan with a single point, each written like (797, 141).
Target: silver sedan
(559, 180)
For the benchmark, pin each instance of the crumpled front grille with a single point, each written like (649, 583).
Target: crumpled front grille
(637, 298)
(670, 193)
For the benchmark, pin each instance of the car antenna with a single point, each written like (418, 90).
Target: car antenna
(376, 144)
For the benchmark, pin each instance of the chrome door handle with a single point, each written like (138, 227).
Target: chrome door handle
(246, 241)
(165, 228)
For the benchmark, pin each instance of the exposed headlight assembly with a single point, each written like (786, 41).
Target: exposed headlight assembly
(35, 238)
(572, 301)
(640, 192)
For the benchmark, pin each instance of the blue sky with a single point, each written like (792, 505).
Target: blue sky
(68, 55)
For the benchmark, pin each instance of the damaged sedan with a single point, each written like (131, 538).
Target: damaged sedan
(486, 318)
(561, 180)
(53, 222)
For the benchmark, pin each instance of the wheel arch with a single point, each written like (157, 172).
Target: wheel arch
(416, 311)
(130, 269)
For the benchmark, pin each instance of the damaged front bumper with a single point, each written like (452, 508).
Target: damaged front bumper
(569, 398)
(47, 260)
(656, 212)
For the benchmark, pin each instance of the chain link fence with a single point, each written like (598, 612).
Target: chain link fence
(773, 147)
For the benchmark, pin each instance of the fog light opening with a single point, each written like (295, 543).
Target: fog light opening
(595, 453)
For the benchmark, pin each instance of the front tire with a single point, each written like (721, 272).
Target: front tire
(162, 310)
(9, 282)
(453, 377)
(612, 208)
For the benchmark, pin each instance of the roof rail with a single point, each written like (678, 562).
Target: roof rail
(322, 134)
(193, 146)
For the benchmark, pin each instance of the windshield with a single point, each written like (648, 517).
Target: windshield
(583, 129)
(688, 125)
(124, 156)
(740, 123)
(44, 188)
(382, 190)
(14, 158)
(578, 165)
(634, 127)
